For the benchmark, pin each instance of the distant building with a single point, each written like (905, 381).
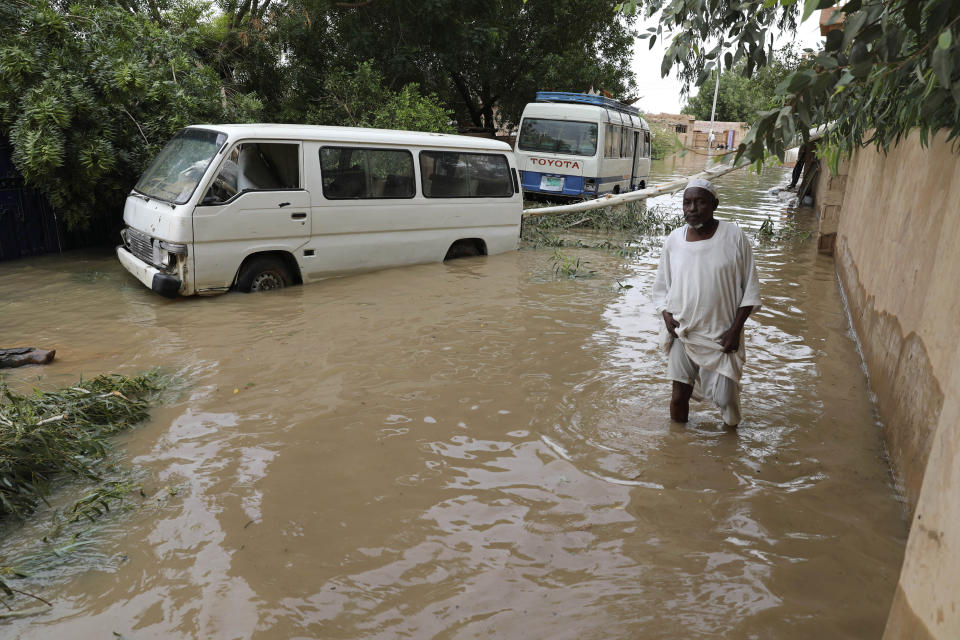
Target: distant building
(681, 123)
(693, 133)
(726, 135)
(827, 21)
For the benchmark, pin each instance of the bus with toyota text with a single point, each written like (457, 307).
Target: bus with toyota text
(581, 145)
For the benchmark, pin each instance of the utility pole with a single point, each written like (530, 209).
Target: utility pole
(713, 112)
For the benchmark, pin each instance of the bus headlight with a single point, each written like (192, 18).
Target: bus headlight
(174, 247)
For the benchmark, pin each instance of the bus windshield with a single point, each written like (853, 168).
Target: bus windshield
(175, 172)
(558, 136)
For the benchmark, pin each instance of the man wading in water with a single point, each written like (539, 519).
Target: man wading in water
(705, 289)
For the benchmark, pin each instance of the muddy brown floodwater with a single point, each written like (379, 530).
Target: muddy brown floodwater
(479, 448)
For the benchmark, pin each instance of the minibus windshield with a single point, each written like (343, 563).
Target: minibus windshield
(558, 136)
(177, 169)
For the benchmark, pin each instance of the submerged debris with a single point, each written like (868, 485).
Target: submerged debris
(632, 222)
(566, 267)
(48, 434)
(788, 231)
(21, 356)
(51, 432)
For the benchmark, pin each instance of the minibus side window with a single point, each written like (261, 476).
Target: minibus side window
(626, 143)
(450, 174)
(611, 145)
(350, 173)
(256, 166)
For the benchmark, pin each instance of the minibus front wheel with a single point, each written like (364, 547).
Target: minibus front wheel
(264, 273)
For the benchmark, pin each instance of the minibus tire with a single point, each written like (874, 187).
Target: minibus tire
(263, 273)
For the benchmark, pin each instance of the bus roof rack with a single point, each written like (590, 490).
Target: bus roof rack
(586, 98)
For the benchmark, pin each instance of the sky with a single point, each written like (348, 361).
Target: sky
(663, 94)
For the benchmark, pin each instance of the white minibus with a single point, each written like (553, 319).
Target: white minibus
(264, 206)
(580, 145)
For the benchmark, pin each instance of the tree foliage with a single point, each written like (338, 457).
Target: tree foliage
(740, 98)
(484, 57)
(88, 94)
(889, 67)
(359, 98)
(91, 89)
(664, 140)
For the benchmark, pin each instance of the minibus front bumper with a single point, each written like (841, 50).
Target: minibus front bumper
(569, 186)
(163, 283)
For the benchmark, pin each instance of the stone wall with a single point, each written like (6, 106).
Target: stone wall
(893, 224)
(829, 200)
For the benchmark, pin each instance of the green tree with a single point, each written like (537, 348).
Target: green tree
(486, 57)
(889, 67)
(359, 98)
(736, 98)
(663, 141)
(90, 92)
(740, 98)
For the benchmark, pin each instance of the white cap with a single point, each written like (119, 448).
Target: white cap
(700, 183)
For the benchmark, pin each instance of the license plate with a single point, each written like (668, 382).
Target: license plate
(551, 183)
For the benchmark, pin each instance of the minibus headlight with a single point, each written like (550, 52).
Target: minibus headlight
(174, 247)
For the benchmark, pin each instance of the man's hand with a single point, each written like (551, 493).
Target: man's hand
(730, 339)
(672, 324)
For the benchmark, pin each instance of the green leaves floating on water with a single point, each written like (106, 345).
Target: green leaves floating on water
(632, 220)
(51, 432)
(566, 267)
(788, 231)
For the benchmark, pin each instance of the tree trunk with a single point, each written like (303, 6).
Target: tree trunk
(475, 114)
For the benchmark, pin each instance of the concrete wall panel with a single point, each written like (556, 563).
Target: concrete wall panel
(897, 248)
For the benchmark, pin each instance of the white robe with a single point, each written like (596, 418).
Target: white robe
(702, 284)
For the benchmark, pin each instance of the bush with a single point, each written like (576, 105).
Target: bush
(44, 434)
(90, 93)
(664, 140)
(359, 98)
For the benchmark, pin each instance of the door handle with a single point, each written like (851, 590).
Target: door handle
(283, 204)
(298, 215)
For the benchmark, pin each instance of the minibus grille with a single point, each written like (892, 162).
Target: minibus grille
(140, 245)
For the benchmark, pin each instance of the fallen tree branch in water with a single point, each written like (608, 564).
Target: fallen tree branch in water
(48, 433)
(51, 432)
(32, 611)
(610, 200)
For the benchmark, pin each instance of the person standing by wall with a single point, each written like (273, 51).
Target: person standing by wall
(706, 287)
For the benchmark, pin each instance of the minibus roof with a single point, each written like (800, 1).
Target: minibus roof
(580, 112)
(355, 135)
